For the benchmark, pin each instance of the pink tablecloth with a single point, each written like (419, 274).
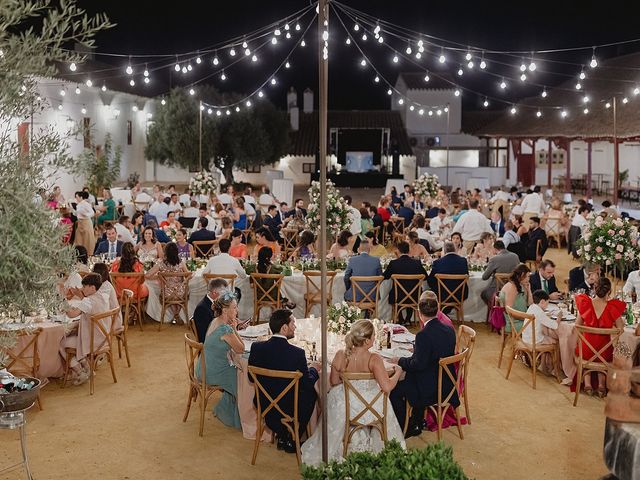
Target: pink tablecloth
(568, 340)
(51, 364)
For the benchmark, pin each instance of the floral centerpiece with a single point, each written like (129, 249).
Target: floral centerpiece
(249, 266)
(426, 185)
(203, 183)
(612, 242)
(336, 207)
(341, 316)
(171, 232)
(194, 264)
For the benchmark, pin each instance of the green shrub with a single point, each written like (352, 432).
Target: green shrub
(434, 462)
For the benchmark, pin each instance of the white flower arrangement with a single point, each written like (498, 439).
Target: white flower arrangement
(426, 185)
(336, 207)
(203, 183)
(341, 316)
(609, 241)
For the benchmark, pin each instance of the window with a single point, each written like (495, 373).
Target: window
(129, 132)
(308, 167)
(253, 169)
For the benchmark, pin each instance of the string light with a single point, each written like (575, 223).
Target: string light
(254, 58)
(63, 92)
(288, 35)
(192, 91)
(348, 41)
(77, 90)
(380, 39)
(303, 43)
(586, 99)
(513, 110)
(564, 114)
(248, 103)
(73, 67)
(421, 111)
(523, 77)
(625, 100)
(582, 75)
(147, 80)
(446, 109)
(83, 110)
(594, 62)
(460, 72)
(298, 27)
(237, 109)
(274, 41)
(442, 58)
(408, 50)
(431, 113)
(260, 94)
(184, 70)
(89, 83)
(376, 79)
(389, 92)
(532, 65)
(364, 37)
(134, 108)
(483, 64)
(418, 55)
(245, 44)
(189, 67)
(129, 70)
(395, 59)
(163, 102)
(216, 61)
(198, 61)
(363, 63)
(607, 105)
(427, 78)
(277, 32)
(538, 114)
(146, 72)
(103, 88)
(132, 82)
(636, 91)
(585, 111)
(485, 104)
(218, 113)
(232, 52)
(356, 27)
(578, 86)
(544, 93)
(456, 92)
(470, 65)
(287, 65)
(223, 77)
(438, 112)
(468, 56)
(177, 67)
(503, 84)
(412, 108)
(247, 52)
(273, 81)
(60, 107)
(400, 101)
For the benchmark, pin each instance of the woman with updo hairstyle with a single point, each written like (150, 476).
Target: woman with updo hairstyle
(222, 337)
(599, 312)
(343, 247)
(306, 246)
(356, 358)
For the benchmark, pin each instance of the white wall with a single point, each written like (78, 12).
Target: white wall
(458, 176)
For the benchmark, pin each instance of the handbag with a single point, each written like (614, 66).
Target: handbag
(496, 317)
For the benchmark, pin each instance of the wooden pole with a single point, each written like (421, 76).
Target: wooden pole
(589, 172)
(549, 163)
(616, 153)
(200, 137)
(567, 176)
(323, 73)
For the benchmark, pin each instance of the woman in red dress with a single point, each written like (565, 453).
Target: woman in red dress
(599, 312)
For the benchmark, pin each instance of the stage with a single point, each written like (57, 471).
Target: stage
(358, 180)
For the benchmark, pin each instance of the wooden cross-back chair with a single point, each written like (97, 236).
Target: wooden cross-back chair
(595, 361)
(266, 292)
(397, 229)
(533, 350)
(204, 248)
(466, 339)
(312, 294)
(533, 264)
(290, 421)
(505, 336)
(248, 228)
(290, 240)
(97, 346)
(369, 300)
(501, 280)
(198, 390)
(448, 297)
(552, 228)
(406, 297)
(356, 421)
(121, 334)
(24, 360)
(229, 277)
(140, 206)
(134, 280)
(167, 301)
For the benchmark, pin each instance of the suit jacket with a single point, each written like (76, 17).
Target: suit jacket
(504, 262)
(499, 227)
(103, 247)
(273, 224)
(536, 282)
(363, 265)
(577, 280)
(534, 236)
(417, 205)
(407, 214)
(404, 265)
(435, 341)
(293, 211)
(202, 317)
(433, 212)
(161, 236)
(452, 264)
(202, 235)
(278, 354)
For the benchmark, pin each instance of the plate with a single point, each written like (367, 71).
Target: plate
(569, 317)
(395, 352)
(403, 338)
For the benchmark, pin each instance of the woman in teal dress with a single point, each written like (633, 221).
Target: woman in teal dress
(107, 209)
(516, 294)
(222, 337)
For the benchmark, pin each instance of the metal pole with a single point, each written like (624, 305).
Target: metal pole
(447, 136)
(616, 157)
(200, 135)
(589, 172)
(549, 173)
(323, 73)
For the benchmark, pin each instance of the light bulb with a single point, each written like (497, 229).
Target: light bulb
(198, 60)
(77, 90)
(483, 64)
(104, 88)
(274, 41)
(202, 108)
(586, 99)
(260, 94)
(184, 70)
(532, 67)
(146, 72)
(564, 114)
(288, 35)
(395, 59)
(348, 41)
(215, 60)
(523, 67)
(62, 93)
(389, 92)
(442, 58)
(83, 110)
(286, 26)
(134, 108)
(237, 109)
(228, 112)
(468, 57)
(421, 49)
(277, 32)
(585, 111)
(376, 79)
(247, 52)
(189, 67)
(129, 70)
(132, 82)
(248, 103)
(287, 65)
(192, 91)
(582, 76)
(431, 113)
(325, 35)
(400, 101)
(438, 112)
(421, 111)
(625, 100)
(146, 80)
(380, 39)
(485, 103)
(456, 92)
(446, 109)
(408, 50)
(470, 65)
(254, 58)
(245, 44)
(377, 29)
(460, 72)
(412, 108)
(538, 114)
(427, 78)
(177, 67)
(420, 43)
(503, 85)
(364, 37)
(523, 77)
(223, 76)
(513, 110)
(218, 113)
(594, 62)
(232, 52)
(356, 27)
(298, 27)
(607, 105)
(578, 86)
(163, 102)
(363, 62)
(636, 91)
(303, 43)
(544, 93)
(60, 107)
(273, 81)
(73, 67)
(418, 55)
(89, 83)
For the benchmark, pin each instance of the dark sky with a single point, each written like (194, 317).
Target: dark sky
(146, 26)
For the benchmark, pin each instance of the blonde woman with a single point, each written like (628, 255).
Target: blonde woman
(356, 358)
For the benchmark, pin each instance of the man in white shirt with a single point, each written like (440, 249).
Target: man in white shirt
(546, 328)
(224, 263)
(580, 218)
(211, 225)
(632, 285)
(174, 204)
(533, 204)
(355, 218)
(439, 222)
(185, 199)
(266, 198)
(191, 211)
(122, 229)
(500, 195)
(471, 225)
(160, 209)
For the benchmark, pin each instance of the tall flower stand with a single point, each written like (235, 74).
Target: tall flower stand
(12, 421)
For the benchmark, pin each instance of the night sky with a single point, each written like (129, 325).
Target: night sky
(151, 27)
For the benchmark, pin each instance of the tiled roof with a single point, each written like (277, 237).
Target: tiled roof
(439, 81)
(472, 121)
(304, 141)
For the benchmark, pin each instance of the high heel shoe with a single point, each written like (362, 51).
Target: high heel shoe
(602, 392)
(588, 391)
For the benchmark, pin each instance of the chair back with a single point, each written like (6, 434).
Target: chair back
(456, 379)
(83, 274)
(527, 320)
(313, 279)
(450, 297)
(290, 238)
(246, 232)
(23, 359)
(397, 224)
(229, 277)
(266, 292)
(361, 413)
(501, 280)
(192, 328)
(101, 333)
(125, 302)
(369, 298)
(132, 280)
(407, 289)
(166, 278)
(552, 227)
(204, 248)
(594, 355)
(466, 339)
(194, 351)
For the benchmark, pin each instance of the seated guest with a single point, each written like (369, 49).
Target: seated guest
(203, 234)
(537, 236)
(265, 239)
(109, 292)
(383, 209)
(129, 263)
(170, 263)
(211, 222)
(404, 265)
(203, 314)
(599, 312)
(366, 222)
(377, 221)
(161, 236)
(221, 338)
(171, 222)
(471, 225)
(516, 293)
(298, 211)
(424, 235)
(278, 354)
(497, 224)
(503, 261)
(264, 265)
(483, 250)
(632, 285)
(225, 263)
(238, 249)
(185, 249)
(395, 198)
(363, 265)
(82, 259)
(273, 222)
(407, 194)
(343, 246)
(544, 279)
(509, 236)
(584, 278)
(438, 223)
(416, 204)
(149, 249)
(451, 264)
(123, 229)
(416, 249)
(191, 211)
(226, 227)
(108, 209)
(376, 249)
(111, 246)
(456, 239)
(420, 385)
(546, 328)
(407, 213)
(266, 198)
(433, 212)
(174, 203)
(306, 246)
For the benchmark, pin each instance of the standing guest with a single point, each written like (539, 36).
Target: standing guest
(483, 250)
(416, 249)
(452, 264)
(343, 246)
(220, 340)
(438, 223)
(123, 229)
(265, 239)
(65, 219)
(395, 198)
(129, 263)
(111, 246)
(185, 249)
(108, 209)
(377, 249)
(355, 222)
(516, 293)
(471, 226)
(223, 263)
(503, 261)
(537, 243)
(278, 354)
(544, 279)
(306, 246)
(203, 233)
(160, 208)
(584, 277)
(533, 204)
(175, 287)
(363, 265)
(404, 265)
(238, 249)
(85, 235)
(497, 224)
(203, 314)
(420, 385)
(149, 249)
(366, 223)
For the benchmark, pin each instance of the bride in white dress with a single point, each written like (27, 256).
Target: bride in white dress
(355, 358)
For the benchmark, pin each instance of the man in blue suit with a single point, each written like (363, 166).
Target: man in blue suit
(203, 234)
(363, 265)
(420, 385)
(450, 263)
(278, 354)
(404, 265)
(273, 222)
(544, 279)
(407, 213)
(111, 246)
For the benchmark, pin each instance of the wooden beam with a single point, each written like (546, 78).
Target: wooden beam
(616, 153)
(589, 173)
(549, 180)
(567, 177)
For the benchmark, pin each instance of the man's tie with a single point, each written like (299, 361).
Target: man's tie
(545, 285)
(112, 250)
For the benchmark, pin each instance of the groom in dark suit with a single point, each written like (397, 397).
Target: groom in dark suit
(111, 246)
(420, 386)
(278, 354)
(203, 314)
